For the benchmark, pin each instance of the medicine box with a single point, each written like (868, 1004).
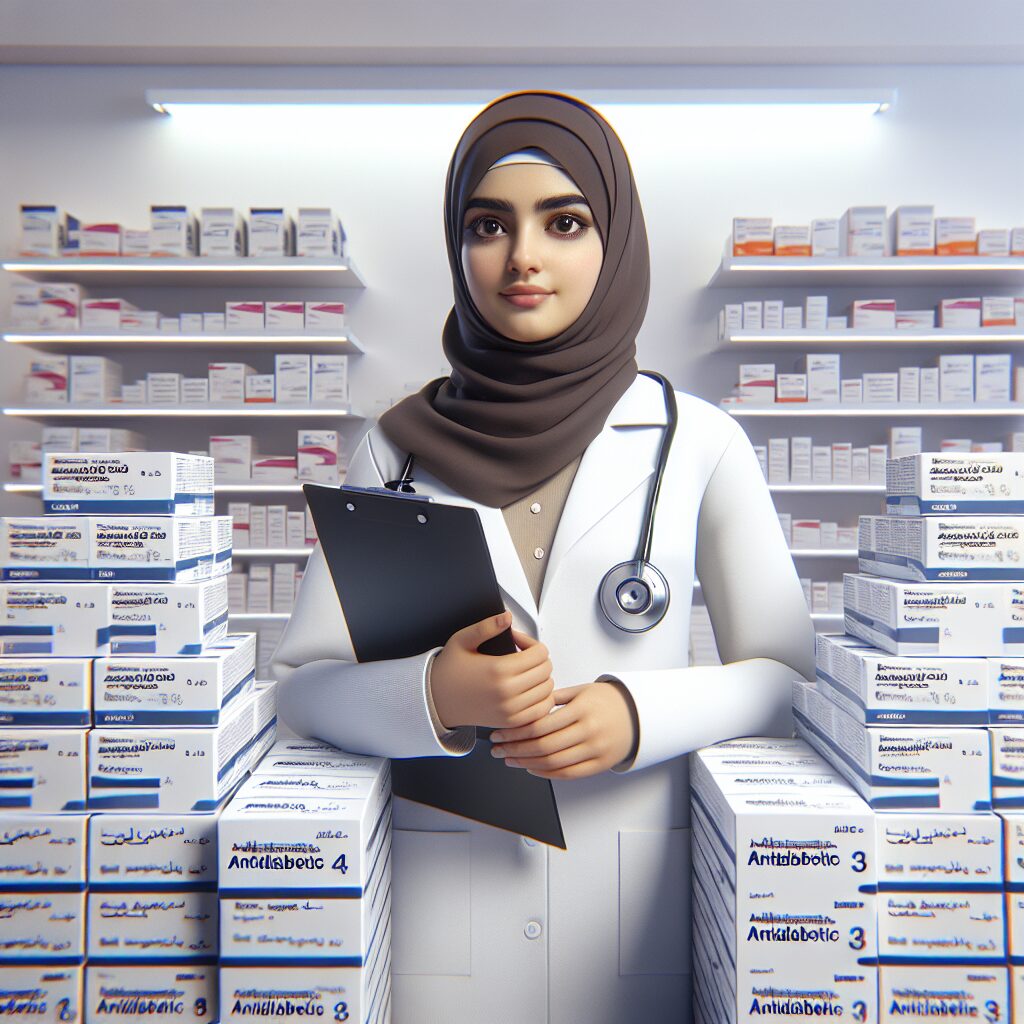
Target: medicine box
(270, 838)
(825, 237)
(757, 382)
(863, 230)
(167, 619)
(163, 389)
(173, 231)
(141, 851)
(325, 316)
(227, 382)
(318, 232)
(913, 230)
(942, 547)
(955, 236)
(46, 382)
(329, 379)
(99, 239)
(46, 230)
(133, 924)
(916, 927)
(43, 770)
(947, 618)
(286, 315)
(942, 991)
(44, 619)
(923, 851)
(1005, 690)
(271, 232)
(752, 236)
(174, 992)
(42, 851)
(128, 483)
(232, 456)
(221, 232)
(154, 548)
(167, 768)
(931, 483)
(281, 992)
(57, 306)
(993, 242)
(897, 768)
(293, 379)
(174, 691)
(45, 691)
(43, 926)
(245, 316)
(877, 688)
(793, 240)
(45, 547)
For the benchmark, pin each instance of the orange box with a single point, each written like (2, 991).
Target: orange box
(793, 240)
(752, 236)
(955, 236)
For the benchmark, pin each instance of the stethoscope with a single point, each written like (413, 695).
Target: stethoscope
(633, 595)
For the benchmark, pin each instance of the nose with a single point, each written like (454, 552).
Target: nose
(524, 254)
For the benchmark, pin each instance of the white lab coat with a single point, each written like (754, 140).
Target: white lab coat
(487, 927)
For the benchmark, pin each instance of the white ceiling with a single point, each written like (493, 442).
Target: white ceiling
(530, 32)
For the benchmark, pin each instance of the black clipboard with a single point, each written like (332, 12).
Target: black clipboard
(409, 573)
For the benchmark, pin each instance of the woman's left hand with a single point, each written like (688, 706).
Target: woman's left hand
(592, 728)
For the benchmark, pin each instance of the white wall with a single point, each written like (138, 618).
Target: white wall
(82, 137)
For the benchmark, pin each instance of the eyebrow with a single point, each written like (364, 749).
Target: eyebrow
(552, 203)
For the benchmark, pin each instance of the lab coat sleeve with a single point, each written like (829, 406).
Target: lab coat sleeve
(760, 619)
(381, 708)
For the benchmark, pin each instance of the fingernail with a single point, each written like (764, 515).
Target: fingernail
(497, 751)
(496, 737)
(511, 762)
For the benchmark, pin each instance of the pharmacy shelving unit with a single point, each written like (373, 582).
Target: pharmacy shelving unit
(346, 343)
(205, 273)
(256, 410)
(243, 271)
(852, 271)
(964, 275)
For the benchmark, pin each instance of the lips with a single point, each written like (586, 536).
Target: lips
(527, 300)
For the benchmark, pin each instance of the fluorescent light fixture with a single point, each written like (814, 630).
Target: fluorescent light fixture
(868, 101)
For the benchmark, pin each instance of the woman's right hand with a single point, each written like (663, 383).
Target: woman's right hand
(503, 691)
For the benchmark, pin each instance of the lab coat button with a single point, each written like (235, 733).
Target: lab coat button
(532, 930)
(535, 508)
(538, 553)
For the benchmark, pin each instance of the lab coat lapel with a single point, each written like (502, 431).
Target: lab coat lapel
(615, 463)
(507, 567)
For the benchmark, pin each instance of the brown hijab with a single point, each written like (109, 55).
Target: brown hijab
(513, 413)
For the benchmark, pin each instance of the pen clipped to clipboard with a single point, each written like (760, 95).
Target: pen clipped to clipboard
(409, 573)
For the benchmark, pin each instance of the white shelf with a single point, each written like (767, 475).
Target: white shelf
(856, 409)
(259, 616)
(17, 487)
(827, 488)
(159, 412)
(785, 271)
(827, 617)
(284, 272)
(223, 339)
(271, 552)
(935, 336)
(823, 552)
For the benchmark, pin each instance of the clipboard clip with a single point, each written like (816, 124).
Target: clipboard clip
(387, 492)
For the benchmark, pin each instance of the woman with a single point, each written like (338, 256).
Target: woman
(547, 430)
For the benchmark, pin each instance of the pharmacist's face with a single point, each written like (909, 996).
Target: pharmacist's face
(507, 242)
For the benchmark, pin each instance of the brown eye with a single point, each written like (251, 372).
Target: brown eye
(566, 220)
(488, 224)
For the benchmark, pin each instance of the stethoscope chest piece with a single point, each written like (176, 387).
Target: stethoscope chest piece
(634, 596)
